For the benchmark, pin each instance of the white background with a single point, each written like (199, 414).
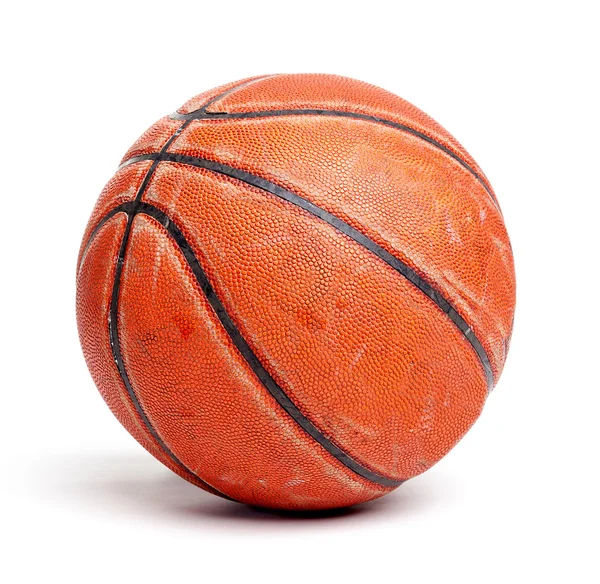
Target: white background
(515, 82)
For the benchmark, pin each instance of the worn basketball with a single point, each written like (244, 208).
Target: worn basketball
(296, 292)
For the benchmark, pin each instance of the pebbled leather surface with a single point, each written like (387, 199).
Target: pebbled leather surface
(371, 361)
(207, 405)
(153, 139)
(206, 97)
(364, 354)
(121, 188)
(337, 93)
(407, 195)
(94, 286)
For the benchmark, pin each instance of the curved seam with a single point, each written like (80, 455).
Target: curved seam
(123, 208)
(138, 158)
(114, 307)
(212, 101)
(358, 236)
(203, 115)
(118, 358)
(252, 359)
(152, 156)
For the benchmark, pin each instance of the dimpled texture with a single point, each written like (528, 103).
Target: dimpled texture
(332, 92)
(404, 193)
(121, 188)
(359, 324)
(368, 359)
(154, 138)
(94, 286)
(206, 98)
(207, 404)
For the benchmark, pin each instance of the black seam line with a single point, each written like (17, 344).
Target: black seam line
(354, 234)
(117, 356)
(203, 115)
(139, 158)
(202, 110)
(115, 345)
(133, 209)
(123, 208)
(238, 340)
(253, 361)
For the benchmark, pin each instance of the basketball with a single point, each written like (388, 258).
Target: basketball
(296, 292)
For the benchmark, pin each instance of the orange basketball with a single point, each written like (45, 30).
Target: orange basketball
(296, 292)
